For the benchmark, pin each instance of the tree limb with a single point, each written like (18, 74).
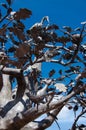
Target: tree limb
(10, 71)
(32, 113)
(21, 86)
(45, 123)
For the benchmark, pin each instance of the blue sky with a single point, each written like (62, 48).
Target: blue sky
(63, 13)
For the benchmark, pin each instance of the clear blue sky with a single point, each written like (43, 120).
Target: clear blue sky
(63, 13)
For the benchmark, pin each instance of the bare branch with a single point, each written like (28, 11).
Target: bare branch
(77, 118)
(10, 71)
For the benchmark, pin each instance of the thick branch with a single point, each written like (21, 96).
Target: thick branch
(45, 123)
(21, 86)
(32, 113)
(10, 71)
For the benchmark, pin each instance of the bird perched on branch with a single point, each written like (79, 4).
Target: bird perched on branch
(42, 91)
(41, 94)
(40, 24)
(35, 99)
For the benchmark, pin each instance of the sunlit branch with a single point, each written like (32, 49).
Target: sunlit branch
(46, 122)
(10, 71)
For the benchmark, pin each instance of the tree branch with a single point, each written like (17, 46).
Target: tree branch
(32, 113)
(74, 124)
(45, 123)
(21, 86)
(10, 71)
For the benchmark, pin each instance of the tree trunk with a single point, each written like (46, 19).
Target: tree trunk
(6, 92)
